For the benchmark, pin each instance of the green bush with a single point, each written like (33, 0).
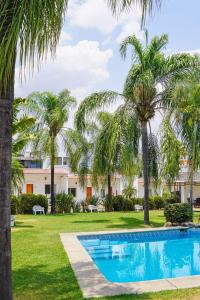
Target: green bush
(15, 208)
(64, 202)
(139, 201)
(122, 204)
(128, 205)
(178, 213)
(158, 202)
(118, 203)
(27, 201)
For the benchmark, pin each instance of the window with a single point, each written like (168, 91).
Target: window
(72, 191)
(48, 189)
(59, 161)
(65, 161)
(32, 163)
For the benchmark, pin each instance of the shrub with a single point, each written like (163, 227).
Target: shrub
(122, 204)
(128, 205)
(139, 201)
(64, 202)
(118, 203)
(15, 209)
(42, 201)
(158, 202)
(27, 201)
(178, 213)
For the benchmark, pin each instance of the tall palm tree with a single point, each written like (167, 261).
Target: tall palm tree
(51, 113)
(144, 87)
(31, 28)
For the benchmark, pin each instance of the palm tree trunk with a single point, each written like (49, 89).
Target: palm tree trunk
(109, 187)
(6, 100)
(145, 171)
(192, 167)
(191, 180)
(52, 175)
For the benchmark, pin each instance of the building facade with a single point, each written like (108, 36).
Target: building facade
(37, 179)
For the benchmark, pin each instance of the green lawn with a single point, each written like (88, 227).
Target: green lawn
(41, 270)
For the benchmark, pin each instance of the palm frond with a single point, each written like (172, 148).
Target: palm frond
(137, 51)
(147, 6)
(17, 173)
(33, 27)
(91, 104)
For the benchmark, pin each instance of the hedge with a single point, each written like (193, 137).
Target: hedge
(27, 201)
(178, 213)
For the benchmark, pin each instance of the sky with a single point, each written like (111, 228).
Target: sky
(88, 58)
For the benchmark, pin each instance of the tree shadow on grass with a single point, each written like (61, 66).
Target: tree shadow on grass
(19, 224)
(121, 223)
(130, 222)
(35, 282)
(93, 221)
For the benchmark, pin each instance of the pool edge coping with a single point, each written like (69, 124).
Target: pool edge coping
(93, 283)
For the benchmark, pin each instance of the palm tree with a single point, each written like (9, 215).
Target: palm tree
(51, 113)
(141, 95)
(32, 28)
(186, 119)
(114, 149)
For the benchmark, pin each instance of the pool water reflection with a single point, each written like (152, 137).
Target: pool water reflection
(145, 256)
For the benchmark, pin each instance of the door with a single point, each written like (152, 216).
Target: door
(89, 194)
(29, 188)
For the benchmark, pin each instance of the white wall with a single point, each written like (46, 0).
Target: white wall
(39, 181)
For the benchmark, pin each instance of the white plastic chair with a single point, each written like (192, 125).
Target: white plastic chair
(138, 207)
(92, 208)
(38, 209)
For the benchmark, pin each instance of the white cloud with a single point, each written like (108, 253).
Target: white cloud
(77, 67)
(130, 24)
(65, 37)
(91, 14)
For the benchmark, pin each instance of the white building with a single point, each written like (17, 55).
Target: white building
(37, 179)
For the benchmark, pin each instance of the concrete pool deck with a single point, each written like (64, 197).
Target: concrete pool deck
(93, 283)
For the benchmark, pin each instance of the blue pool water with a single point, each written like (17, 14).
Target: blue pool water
(131, 257)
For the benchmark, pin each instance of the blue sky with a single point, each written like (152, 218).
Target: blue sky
(88, 54)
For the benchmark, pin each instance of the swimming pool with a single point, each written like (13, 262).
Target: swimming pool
(143, 256)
